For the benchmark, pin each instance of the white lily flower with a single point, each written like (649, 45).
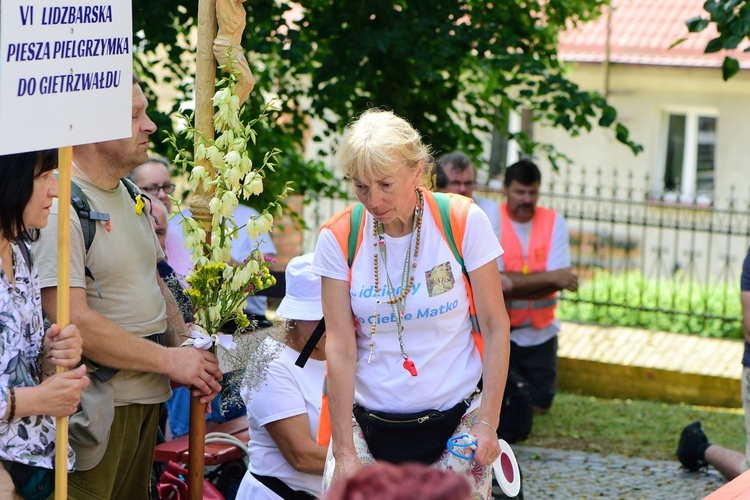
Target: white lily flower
(253, 267)
(215, 206)
(229, 202)
(252, 228)
(221, 96)
(266, 221)
(232, 158)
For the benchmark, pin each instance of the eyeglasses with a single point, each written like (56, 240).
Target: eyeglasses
(467, 184)
(154, 190)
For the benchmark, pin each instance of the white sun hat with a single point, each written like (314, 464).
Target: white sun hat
(302, 297)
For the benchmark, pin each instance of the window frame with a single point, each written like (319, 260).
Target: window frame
(688, 183)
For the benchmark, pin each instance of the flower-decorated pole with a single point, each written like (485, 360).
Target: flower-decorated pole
(220, 27)
(205, 84)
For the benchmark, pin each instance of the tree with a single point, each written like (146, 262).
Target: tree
(453, 68)
(732, 21)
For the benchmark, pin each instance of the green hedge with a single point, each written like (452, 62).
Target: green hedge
(679, 306)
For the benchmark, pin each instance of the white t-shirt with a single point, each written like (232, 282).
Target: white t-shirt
(437, 330)
(288, 391)
(558, 258)
(492, 209)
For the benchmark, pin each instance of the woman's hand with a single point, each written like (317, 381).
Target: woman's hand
(62, 347)
(346, 466)
(488, 447)
(60, 394)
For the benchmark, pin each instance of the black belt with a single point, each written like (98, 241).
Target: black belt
(281, 488)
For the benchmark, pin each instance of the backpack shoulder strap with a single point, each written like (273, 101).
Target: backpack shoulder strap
(83, 210)
(132, 190)
(341, 226)
(355, 235)
(451, 212)
(88, 219)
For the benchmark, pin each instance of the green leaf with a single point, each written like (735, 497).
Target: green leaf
(732, 42)
(678, 42)
(609, 115)
(714, 45)
(729, 68)
(622, 133)
(696, 24)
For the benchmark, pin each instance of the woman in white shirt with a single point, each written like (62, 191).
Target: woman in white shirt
(283, 412)
(411, 371)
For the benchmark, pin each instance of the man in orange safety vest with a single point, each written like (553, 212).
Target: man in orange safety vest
(537, 261)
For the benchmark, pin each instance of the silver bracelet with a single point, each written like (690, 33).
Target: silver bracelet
(487, 424)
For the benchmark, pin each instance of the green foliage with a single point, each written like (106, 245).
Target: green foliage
(161, 29)
(731, 19)
(629, 299)
(448, 66)
(643, 429)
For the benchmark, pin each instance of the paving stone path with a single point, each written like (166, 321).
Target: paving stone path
(561, 474)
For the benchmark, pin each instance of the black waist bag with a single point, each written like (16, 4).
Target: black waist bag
(409, 437)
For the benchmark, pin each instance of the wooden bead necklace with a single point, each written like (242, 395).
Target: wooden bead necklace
(397, 303)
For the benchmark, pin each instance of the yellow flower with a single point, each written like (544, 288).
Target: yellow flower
(139, 204)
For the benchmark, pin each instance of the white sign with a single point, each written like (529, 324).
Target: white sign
(65, 73)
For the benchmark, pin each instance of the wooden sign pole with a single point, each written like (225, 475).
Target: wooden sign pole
(64, 161)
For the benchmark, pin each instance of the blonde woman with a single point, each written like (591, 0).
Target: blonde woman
(411, 356)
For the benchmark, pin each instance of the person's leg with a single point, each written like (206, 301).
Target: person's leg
(732, 463)
(694, 450)
(125, 468)
(134, 475)
(726, 461)
(98, 483)
(745, 465)
(7, 488)
(538, 365)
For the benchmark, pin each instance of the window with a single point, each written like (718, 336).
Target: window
(689, 156)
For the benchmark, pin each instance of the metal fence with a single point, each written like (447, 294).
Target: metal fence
(662, 263)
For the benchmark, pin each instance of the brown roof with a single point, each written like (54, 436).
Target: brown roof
(641, 32)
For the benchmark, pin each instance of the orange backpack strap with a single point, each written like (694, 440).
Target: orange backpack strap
(341, 226)
(452, 210)
(324, 422)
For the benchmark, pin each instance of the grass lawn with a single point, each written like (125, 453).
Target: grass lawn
(633, 428)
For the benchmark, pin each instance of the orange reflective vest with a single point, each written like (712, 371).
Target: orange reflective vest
(541, 311)
(450, 212)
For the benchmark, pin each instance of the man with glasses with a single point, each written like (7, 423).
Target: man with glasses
(461, 176)
(155, 180)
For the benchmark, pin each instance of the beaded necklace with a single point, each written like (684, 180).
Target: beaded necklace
(397, 303)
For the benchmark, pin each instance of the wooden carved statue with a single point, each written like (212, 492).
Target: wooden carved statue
(230, 16)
